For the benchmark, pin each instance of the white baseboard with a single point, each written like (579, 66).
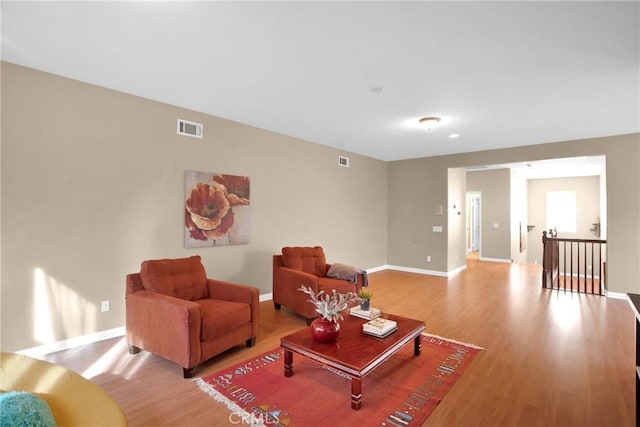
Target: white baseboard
(417, 270)
(456, 270)
(508, 261)
(633, 307)
(379, 268)
(40, 351)
(424, 271)
(616, 295)
(266, 297)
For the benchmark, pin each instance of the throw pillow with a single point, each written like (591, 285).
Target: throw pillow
(21, 408)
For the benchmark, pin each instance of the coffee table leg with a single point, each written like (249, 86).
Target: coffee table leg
(417, 345)
(288, 363)
(356, 393)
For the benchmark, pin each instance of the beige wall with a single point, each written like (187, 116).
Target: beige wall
(587, 190)
(416, 187)
(519, 217)
(495, 207)
(421, 184)
(93, 184)
(456, 237)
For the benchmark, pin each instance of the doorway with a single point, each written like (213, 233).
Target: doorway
(473, 223)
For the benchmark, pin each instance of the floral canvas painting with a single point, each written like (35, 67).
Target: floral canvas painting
(216, 209)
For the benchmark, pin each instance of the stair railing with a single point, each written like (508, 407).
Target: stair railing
(577, 265)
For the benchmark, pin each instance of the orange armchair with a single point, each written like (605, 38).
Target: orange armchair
(175, 311)
(307, 266)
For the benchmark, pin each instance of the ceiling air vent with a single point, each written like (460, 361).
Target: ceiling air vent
(343, 161)
(190, 128)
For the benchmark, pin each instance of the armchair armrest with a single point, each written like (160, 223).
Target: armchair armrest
(227, 291)
(164, 325)
(133, 283)
(286, 282)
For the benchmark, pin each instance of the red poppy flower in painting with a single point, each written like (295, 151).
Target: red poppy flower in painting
(210, 215)
(237, 188)
(194, 231)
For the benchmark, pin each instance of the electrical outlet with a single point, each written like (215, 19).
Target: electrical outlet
(105, 305)
(428, 258)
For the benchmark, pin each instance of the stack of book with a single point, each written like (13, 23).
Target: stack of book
(372, 313)
(380, 327)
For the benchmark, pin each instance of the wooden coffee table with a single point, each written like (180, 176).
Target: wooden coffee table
(353, 353)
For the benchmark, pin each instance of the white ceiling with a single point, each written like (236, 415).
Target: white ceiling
(500, 74)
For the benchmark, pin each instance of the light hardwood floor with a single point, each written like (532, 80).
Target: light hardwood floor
(551, 358)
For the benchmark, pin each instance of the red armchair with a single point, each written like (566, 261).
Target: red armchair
(298, 266)
(175, 311)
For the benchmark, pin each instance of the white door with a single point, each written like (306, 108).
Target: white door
(473, 244)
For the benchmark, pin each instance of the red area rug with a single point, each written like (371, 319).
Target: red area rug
(403, 391)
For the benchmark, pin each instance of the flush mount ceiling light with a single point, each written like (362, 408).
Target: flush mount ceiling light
(429, 123)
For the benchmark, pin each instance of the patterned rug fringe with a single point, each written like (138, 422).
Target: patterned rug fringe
(453, 341)
(219, 397)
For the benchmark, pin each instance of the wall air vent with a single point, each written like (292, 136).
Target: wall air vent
(343, 161)
(190, 128)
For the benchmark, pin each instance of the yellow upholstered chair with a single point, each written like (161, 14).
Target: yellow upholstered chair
(73, 400)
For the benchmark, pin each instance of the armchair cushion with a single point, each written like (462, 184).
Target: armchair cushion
(183, 278)
(308, 259)
(219, 317)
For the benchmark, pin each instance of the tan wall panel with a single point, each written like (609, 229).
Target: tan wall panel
(93, 184)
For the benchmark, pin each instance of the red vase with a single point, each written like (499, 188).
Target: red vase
(324, 330)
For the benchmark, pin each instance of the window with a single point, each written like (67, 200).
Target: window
(561, 211)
